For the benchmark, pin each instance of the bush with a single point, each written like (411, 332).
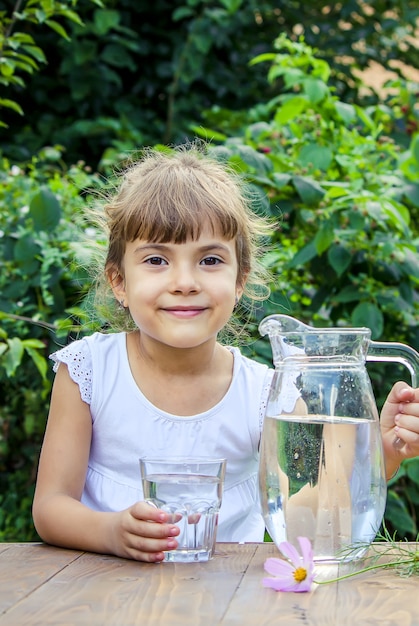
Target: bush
(42, 284)
(346, 195)
(340, 178)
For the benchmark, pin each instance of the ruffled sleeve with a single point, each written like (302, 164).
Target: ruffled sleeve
(78, 359)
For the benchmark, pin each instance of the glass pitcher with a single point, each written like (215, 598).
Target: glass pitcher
(322, 472)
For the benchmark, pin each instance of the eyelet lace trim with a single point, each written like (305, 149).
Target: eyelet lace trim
(79, 362)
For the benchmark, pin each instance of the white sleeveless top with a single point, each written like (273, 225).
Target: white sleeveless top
(127, 426)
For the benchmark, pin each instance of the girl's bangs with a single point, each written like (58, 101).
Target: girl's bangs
(178, 224)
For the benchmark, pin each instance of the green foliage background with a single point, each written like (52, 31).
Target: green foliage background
(274, 87)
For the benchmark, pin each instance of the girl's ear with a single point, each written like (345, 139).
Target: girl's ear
(240, 285)
(117, 283)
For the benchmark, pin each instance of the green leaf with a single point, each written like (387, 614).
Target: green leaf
(207, 133)
(117, 56)
(36, 52)
(231, 5)
(369, 315)
(346, 112)
(105, 20)
(290, 109)
(415, 147)
(45, 210)
(34, 343)
(397, 512)
(181, 13)
(10, 104)
(25, 252)
(309, 190)
(12, 358)
(253, 159)
(58, 29)
(336, 190)
(348, 294)
(411, 193)
(72, 16)
(203, 42)
(365, 118)
(304, 255)
(262, 58)
(324, 238)
(281, 180)
(315, 89)
(317, 156)
(412, 469)
(339, 258)
(39, 360)
(259, 200)
(410, 263)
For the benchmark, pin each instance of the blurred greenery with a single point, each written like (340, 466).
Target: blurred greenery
(275, 87)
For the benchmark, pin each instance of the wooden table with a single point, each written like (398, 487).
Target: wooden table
(41, 585)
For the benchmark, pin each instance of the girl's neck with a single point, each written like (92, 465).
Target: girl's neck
(181, 382)
(174, 361)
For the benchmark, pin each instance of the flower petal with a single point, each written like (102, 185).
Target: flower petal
(286, 585)
(278, 567)
(273, 583)
(306, 549)
(290, 552)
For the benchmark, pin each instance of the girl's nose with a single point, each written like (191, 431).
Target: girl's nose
(185, 280)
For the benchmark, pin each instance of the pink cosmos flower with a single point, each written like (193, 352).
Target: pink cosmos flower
(295, 574)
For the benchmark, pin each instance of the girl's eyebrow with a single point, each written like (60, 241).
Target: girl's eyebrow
(214, 247)
(211, 247)
(150, 246)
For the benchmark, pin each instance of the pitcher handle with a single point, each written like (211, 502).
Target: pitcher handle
(396, 353)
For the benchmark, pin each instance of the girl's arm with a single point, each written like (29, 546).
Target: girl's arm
(400, 426)
(140, 532)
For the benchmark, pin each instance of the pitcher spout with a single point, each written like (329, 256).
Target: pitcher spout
(279, 324)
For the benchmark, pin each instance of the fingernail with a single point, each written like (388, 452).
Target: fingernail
(174, 531)
(171, 543)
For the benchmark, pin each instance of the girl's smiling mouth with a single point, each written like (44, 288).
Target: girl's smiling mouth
(184, 311)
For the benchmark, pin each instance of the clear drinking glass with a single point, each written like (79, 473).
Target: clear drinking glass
(191, 491)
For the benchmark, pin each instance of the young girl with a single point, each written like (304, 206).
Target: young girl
(183, 247)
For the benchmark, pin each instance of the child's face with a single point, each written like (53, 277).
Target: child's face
(180, 295)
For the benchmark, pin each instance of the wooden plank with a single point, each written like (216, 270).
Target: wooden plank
(24, 567)
(104, 590)
(254, 604)
(379, 598)
(41, 586)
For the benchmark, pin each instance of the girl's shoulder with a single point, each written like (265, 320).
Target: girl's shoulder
(90, 343)
(79, 355)
(249, 364)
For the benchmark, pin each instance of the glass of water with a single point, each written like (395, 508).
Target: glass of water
(191, 491)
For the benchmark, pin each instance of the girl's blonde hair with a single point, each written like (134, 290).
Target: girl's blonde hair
(169, 196)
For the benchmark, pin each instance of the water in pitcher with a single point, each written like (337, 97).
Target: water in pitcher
(322, 479)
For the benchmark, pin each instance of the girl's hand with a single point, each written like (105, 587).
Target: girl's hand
(143, 533)
(400, 425)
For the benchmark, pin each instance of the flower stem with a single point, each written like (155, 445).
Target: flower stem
(362, 571)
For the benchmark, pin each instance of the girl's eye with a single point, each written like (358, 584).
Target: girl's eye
(155, 260)
(211, 260)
